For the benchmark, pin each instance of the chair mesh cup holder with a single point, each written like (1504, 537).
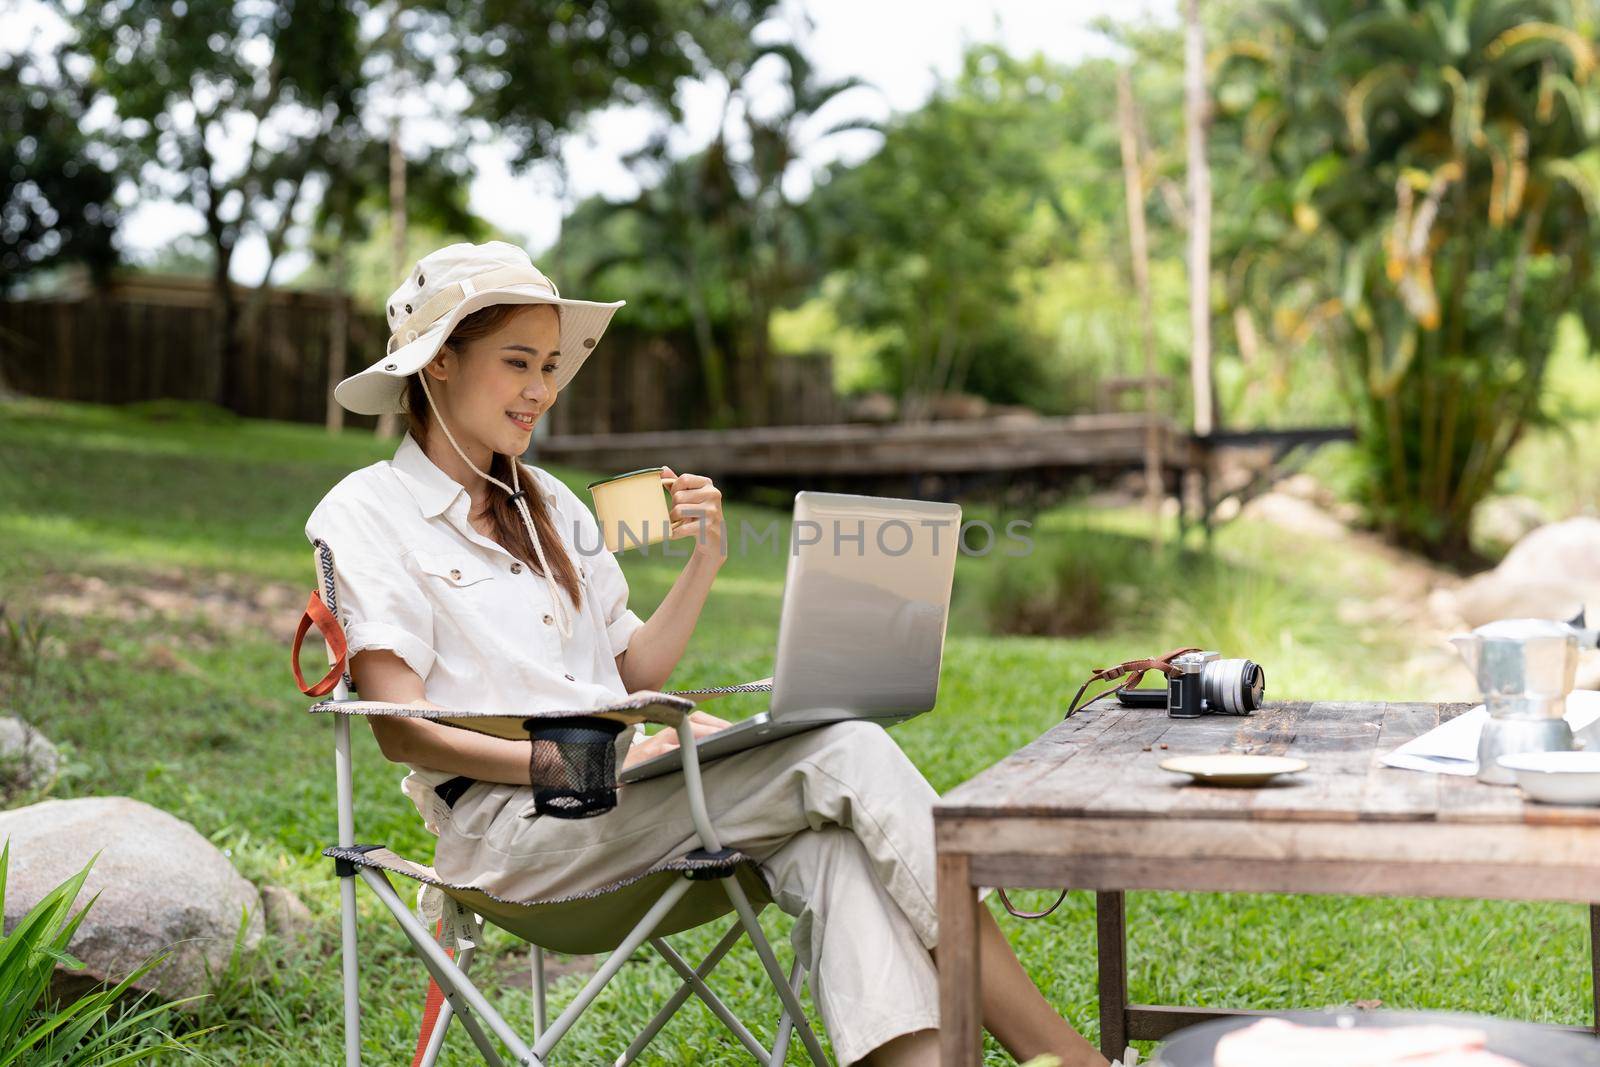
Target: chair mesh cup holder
(573, 766)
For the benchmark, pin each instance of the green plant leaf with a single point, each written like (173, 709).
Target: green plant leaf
(91, 1031)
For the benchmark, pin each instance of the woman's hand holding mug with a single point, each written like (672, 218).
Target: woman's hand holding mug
(697, 511)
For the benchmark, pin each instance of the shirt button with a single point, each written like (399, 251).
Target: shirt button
(456, 575)
(548, 619)
(516, 568)
(569, 677)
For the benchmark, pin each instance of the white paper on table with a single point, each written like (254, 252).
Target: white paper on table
(1452, 747)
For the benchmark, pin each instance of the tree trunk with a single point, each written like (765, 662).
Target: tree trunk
(761, 360)
(225, 341)
(338, 335)
(933, 372)
(713, 367)
(1139, 249)
(1197, 112)
(388, 423)
(277, 240)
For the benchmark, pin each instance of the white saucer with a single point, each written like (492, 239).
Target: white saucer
(1233, 768)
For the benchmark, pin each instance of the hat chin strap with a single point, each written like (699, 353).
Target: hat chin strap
(519, 498)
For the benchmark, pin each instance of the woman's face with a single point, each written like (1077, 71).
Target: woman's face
(493, 389)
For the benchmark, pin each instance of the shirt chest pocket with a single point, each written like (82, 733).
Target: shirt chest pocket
(458, 583)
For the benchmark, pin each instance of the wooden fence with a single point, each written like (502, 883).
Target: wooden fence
(142, 343)
(151, 337)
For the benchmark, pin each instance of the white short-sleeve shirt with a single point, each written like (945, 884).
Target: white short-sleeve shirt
(476, 624)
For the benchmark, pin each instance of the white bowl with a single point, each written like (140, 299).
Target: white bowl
(1557, 777)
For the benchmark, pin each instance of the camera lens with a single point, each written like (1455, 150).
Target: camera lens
(1233, 686)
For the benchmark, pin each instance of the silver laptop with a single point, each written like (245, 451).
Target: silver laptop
(866, 598)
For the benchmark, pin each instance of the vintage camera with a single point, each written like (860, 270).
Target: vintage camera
(1203, 683)
(1208, 684)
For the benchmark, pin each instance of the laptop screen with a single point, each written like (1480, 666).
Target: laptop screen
(865, 603)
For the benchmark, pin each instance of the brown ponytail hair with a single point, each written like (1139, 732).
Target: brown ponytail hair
(504, 520)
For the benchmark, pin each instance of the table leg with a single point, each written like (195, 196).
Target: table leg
(1111, 921)
(1594, 963)
(960, 1003)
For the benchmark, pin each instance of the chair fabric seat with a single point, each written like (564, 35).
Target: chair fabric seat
(592, 921)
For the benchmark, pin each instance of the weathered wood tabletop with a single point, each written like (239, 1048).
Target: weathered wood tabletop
(1088, 807)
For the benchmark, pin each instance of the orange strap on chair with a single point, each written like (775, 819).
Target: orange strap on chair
(430, 1008)
(318, 615)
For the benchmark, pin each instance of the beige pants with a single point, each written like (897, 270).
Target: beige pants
(840, 822)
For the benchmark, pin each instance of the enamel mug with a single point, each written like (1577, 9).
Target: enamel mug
(632, 508)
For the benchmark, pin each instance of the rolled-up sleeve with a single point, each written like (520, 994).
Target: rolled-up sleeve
(380, 604)
(611, 589)
(609, 585)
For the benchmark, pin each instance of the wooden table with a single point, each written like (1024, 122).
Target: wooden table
(1087, 806)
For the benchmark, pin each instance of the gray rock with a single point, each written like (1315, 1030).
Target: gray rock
(957, 406)
(871, 407)
(28, 761)
(1014, 412)
(287, 915)
(1504, 521)
(1549, 574)
(1296, 515)
(1587, 675)
(1227, 509)
(1305, 487)
(161, 884)
(1494, 596)
(1566, 551)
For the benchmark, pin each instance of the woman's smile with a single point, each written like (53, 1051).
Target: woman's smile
(524, 420)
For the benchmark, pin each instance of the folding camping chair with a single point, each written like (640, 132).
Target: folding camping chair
(681, 894)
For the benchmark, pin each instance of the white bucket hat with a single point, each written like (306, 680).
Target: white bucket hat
(445, 287)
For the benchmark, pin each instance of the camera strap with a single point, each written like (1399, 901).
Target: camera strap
(1137, 668)
(1005, 902)
(1134, 670)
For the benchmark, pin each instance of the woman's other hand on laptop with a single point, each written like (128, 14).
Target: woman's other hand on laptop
(704, 724)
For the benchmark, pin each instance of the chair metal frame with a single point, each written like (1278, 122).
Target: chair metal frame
(463, 999)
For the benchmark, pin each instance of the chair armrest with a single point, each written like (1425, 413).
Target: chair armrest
(646, 705)
(763, 685)
(694, 791)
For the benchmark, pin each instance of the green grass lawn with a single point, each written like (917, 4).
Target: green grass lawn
(164, 550)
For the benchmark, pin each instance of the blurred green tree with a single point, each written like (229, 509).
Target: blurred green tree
(297, 90)
(186, 77)
(1428, 196)
(350, 238)
(1007, 170)
(57, 184)
(714, 242)
(669, 251)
